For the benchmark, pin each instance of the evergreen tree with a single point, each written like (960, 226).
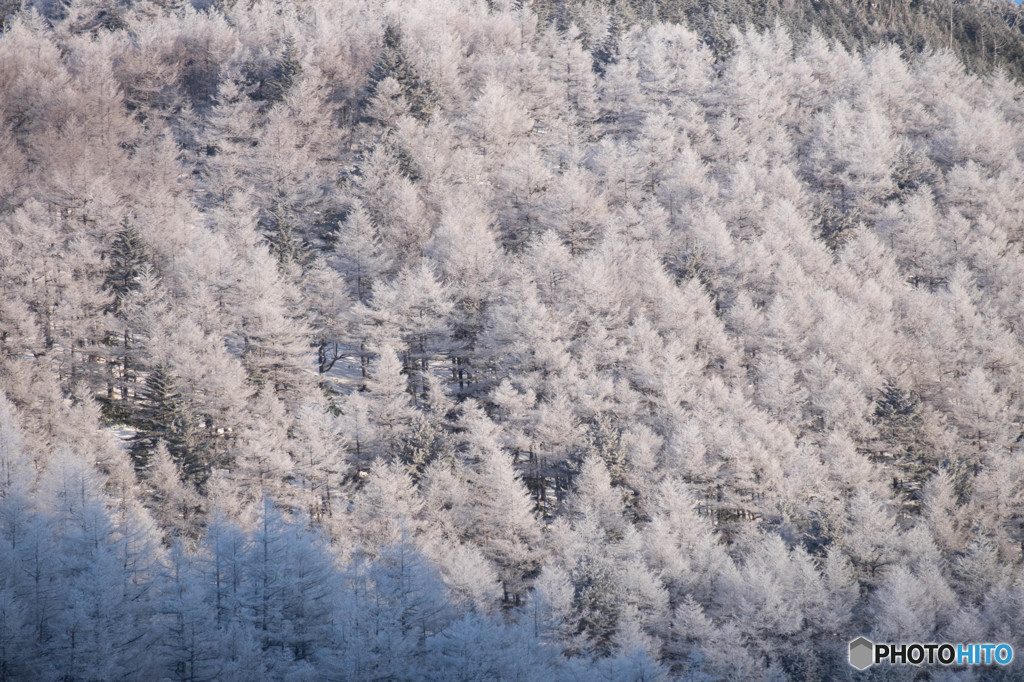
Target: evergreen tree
(162, 415)
(393, 63)
(274, 86)
(900, 424)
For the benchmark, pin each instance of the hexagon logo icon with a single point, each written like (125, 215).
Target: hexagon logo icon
(862, 653)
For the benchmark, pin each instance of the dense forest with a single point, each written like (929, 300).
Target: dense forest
(465, 340)
(984, 34)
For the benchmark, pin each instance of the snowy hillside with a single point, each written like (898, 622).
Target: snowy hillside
(439, 340)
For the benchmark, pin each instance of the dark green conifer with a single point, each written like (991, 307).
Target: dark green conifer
(900, 423)
(394, 64)
(162, 414)
(275, 86)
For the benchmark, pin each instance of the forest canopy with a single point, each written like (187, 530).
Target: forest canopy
(494, 340)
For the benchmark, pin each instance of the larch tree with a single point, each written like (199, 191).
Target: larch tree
(502, 516)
